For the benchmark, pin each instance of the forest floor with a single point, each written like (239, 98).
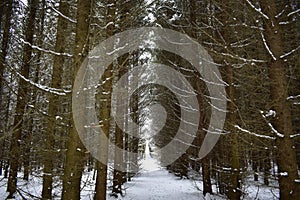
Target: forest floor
(152, 183)
(156, 183)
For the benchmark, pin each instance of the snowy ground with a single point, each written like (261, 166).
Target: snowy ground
(155, 183)
(152, 183)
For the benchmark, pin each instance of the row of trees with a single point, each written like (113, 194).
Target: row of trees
(255, 45)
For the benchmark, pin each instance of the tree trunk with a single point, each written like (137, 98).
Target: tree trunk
(61, 40)
(33, 96)
(267, 167)
(75, 149)
(234, 191)
(6, 5)
(207, 187)
(205, 162)
(118, 174)
(21, 102)
(282, 122)
(101, 181)
(5, 41)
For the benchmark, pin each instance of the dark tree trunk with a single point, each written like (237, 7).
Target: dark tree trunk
(267, 167)
(61, 40)
(207, 187)
(6, 5)
(234, 190)
(118, 174)
(101, 181)
(21, 102)
(75, 149)
(282, 122)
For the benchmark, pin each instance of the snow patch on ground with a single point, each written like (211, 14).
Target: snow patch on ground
(152, 183)
(160, 184)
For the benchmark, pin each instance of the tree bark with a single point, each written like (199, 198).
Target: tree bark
(21, 102)
(5, 39)
(75, 149)
(6, 5)
(282, 122)
(207, 187)
(101, 180)
(61, 40)
(118, 174)
(234, 190)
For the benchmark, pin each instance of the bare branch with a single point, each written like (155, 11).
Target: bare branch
(257, 10)
(46, 50)
(289, 53)
(254, 134)
(267, 47)
(294, 12)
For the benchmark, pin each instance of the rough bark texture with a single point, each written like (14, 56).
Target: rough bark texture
(234, 186)
(101, 180)
(6, 5)
(58, 62)
(205, 162)
(207, 187)
(118, 175)
(75, 149)
(21, 102)
(234, 190)
(282, 122)
(5, 39)
(105, 111)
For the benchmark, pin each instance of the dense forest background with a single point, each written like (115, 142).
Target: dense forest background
(254, 43)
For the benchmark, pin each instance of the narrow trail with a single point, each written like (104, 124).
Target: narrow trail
(156, 183)
(160, 185)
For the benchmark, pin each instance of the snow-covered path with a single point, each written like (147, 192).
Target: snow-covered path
(152, 183)
(161, 185)
(156, 183)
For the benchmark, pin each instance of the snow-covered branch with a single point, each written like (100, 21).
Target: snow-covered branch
(271, 126)
(279, 14)
(284, 23)
(243, 59)
(293, 97)
(267, 47)
(289, 53)
(275, 131)
(56, 91)
(294, 12)
(253, 60)
(103, 27)
(62, 15)
(241, 43)
(257, 10)
(295, 135)
(46, 50)
(254, 134)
